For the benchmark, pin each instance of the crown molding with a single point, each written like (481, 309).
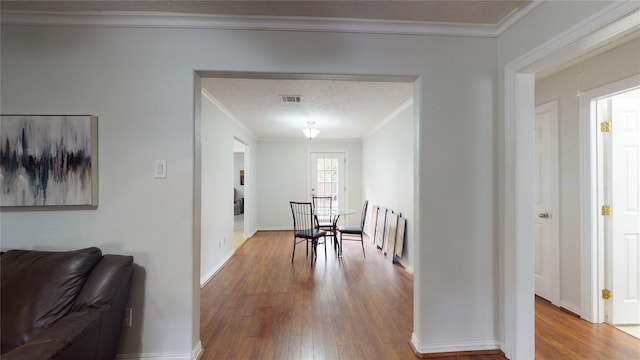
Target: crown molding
(228, 113)
(389, 117)
(193, 21)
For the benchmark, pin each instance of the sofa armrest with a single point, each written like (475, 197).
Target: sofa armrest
(74, 336)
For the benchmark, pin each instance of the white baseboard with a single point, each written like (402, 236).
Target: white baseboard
(197, 351)
(277, 228)
(205, 279)
(194, 355)
(574, 309)
(458, 346)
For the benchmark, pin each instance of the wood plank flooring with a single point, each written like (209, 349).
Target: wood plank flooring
(262, 306)
(562, 335)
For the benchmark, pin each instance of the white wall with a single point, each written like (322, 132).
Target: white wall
(140, 83)
(605, 68)
(388, 173)
(218, 171)
(283, 172)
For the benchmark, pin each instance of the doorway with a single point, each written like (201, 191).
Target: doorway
(239, 192)
(618, 192)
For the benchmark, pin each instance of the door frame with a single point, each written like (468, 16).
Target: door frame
(518, 327)
(554, 206)
(592, 229)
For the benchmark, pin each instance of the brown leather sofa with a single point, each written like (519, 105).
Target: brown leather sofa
(62, 305)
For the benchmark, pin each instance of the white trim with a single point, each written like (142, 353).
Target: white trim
(198, 21)
(194, 355)
(519, 340)
(197, 351)
(518, 15)
(205, 279)
(226, 111)
(592, 270)
(571, 307)
(519, 328)
(389, 117)
(277, 228)
(554, 207)
(458, 346)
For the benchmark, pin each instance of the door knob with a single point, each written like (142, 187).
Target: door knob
(544, 215)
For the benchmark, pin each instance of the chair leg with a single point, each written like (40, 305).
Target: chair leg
(362, 243)
(325, 248)
(294, 249)
(340, 249)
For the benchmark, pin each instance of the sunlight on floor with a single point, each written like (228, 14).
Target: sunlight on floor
(238, 230)
(633, 330)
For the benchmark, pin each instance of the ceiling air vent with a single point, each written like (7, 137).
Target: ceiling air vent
(291, 98)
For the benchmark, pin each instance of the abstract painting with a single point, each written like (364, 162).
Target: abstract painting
(48, 160)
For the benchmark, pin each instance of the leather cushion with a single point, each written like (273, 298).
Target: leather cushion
(104, 282)
(38, 288)
(350, 229)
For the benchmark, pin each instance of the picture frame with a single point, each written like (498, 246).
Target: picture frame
(402, 226)
(373, 224)
(390, 235)
(48, 160)
(380, 226)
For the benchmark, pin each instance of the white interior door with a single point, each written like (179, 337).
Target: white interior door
(328, 176)
(546, 237)
(624, 277)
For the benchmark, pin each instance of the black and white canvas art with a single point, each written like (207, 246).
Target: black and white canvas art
(48, 160)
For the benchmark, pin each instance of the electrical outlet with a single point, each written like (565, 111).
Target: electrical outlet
(128, 316)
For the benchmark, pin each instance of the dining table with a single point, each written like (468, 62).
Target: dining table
(335, 214)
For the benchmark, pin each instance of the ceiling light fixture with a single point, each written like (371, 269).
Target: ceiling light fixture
(310, 132)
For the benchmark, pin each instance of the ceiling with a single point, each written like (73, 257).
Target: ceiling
(340, 109)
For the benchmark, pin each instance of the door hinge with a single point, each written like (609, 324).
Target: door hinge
(606, 210)
(606, 294)
(605, 126)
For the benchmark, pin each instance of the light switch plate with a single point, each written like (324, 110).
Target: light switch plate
(160, 169)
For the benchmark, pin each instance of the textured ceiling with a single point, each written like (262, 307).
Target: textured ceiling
(340, 109)
(449, 11)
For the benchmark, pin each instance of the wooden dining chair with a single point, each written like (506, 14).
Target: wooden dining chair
(304, 229)
(354, 233)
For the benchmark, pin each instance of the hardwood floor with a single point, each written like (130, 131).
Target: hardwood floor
(562, 335)
(262, 306)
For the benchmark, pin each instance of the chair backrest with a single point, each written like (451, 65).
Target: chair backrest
(364, 213)
(302, 213)
(322, 207)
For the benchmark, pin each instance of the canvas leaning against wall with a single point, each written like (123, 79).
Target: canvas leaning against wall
(48, 160)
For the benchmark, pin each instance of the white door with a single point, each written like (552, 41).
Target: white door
(625, 220)
(546, 267)
(328, 176)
